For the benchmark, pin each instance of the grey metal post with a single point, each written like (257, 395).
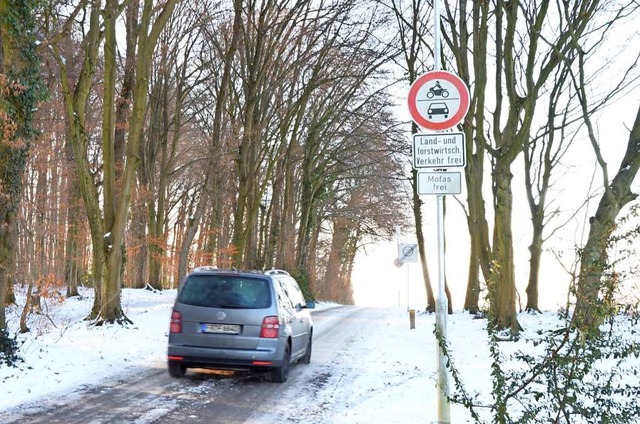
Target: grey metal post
(408, 290)
(444, 414)
(398, 250)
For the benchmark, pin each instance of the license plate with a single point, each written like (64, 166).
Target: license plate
(221, 328)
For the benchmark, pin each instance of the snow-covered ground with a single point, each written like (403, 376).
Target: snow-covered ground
(62, 353)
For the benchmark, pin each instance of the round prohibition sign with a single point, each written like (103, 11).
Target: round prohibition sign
(438, 100)
(407, 251)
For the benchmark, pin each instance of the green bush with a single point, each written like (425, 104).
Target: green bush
(564, 377)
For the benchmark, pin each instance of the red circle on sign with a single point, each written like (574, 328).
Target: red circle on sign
(456, 117)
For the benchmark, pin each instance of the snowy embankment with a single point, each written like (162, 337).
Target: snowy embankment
(392, 372)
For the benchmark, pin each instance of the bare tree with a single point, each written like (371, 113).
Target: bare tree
(228, 53)
(531, 42)
(541, 156)
(173, 76)
(290, 117)
(594, 254)
(107, 210)
(591, 308)
(415, 41)
(367, 199)
(567, 115)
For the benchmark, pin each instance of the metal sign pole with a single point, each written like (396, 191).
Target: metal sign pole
(439, 100)
(441, 323)
(444, 415)
(398, 249)
(408, 290)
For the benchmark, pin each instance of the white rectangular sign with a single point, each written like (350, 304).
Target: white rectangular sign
(443, 150)
(439, 183)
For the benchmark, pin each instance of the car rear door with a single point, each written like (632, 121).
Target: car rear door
(301, 318)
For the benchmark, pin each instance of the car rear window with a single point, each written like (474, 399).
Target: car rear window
(218, 291)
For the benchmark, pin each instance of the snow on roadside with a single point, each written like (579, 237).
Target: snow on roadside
(63, 351)
(387, 375)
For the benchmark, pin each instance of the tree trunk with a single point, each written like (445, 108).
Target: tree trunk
(286, 252)
(502, 284)
(158, 157)
(277, 211)
(21, 90)
(417, 216)
(590, 310)
(478, 229)
(240, 213)
(593, 260)
(308, 204)
(310, 270)
(138, 252)
(216, 139)
(111, 309)
(117, 192)
(72, 268)
(331, 288)
(472, 294)
(24, 328)
(8, 244)
(122, 106)
(535, 250)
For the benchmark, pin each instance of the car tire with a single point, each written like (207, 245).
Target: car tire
(306, 359)
(177, 370)
(280, 374)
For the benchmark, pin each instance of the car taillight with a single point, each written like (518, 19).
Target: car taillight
(176, 322)
(270, 328)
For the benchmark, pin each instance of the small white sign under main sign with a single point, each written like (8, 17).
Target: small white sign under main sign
(439, 183)
(443, 150)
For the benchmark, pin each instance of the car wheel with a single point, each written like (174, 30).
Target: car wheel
(176, 369)
(280, 374)
(306, 359)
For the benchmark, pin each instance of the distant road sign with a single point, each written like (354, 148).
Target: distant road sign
(442, 150)
(408, 252)
(438, 100)
(439, 183)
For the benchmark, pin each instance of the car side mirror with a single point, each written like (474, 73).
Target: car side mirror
(310, 304)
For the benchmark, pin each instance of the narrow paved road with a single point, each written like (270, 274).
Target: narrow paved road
(151, 396)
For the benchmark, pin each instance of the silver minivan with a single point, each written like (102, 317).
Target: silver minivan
(226, 319)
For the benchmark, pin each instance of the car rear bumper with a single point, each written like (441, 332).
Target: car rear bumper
(233, 359)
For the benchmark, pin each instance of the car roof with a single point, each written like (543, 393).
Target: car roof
(232, 271)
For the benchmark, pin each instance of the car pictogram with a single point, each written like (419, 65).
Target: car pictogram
(438, 109)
